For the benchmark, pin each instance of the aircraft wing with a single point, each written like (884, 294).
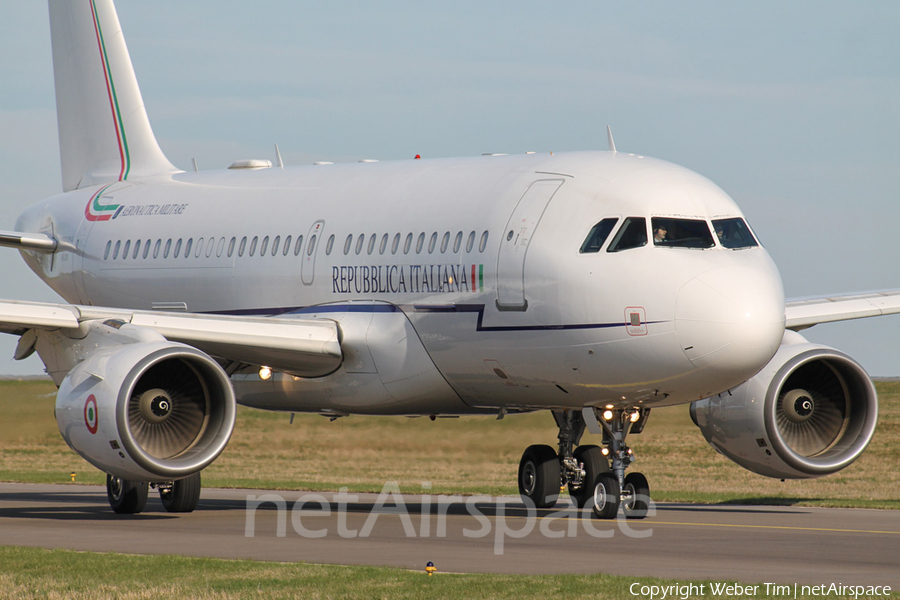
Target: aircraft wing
(806, 312)
(305, 347)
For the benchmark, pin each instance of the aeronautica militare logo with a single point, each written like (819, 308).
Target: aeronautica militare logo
(90, 414)
(101, 206)
(97, 211)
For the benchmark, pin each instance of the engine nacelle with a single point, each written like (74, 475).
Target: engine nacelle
(810, 412)
(149, 411)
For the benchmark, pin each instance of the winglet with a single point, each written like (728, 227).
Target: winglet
(278, 162)
(609, 137)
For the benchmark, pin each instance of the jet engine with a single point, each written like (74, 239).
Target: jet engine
(149, 411)
(810, 412)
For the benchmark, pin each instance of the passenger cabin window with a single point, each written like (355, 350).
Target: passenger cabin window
(632, 234)
(681, 233)
(483, 243)
(597, 236)
(734, 233)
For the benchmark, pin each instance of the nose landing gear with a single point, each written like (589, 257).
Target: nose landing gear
(594, 475)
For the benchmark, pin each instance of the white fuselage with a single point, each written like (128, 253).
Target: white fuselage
(497, 308)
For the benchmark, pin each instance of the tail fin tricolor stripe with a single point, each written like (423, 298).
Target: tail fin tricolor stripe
(113, 98)
(95, 81)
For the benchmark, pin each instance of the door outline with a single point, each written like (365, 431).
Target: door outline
(514, 243)
(313, 241)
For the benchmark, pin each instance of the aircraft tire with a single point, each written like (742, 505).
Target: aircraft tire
(539, 476)
(594, 463)
(638, 491)
(607, 496)
(183, 496)
(126, 497)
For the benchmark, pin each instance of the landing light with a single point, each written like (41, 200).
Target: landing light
(265, 373)
(604, 451)
(607, 415)
(635, 416)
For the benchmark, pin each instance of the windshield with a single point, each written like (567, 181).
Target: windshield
(734, 233)
(597, 236)
(681, 233)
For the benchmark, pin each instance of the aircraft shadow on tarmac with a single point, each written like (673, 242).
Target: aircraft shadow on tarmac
(79, 505)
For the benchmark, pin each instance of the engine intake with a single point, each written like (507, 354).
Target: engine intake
(810, 412)
(147, 411)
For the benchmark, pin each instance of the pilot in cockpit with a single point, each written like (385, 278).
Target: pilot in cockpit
(659, 234)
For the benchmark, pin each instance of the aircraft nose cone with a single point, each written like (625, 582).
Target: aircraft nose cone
(730, 321)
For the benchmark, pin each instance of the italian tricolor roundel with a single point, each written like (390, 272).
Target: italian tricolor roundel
(90, 414)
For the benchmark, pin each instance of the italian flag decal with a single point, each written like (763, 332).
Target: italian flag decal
(477, 280)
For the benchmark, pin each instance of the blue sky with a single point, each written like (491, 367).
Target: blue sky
(792, 107)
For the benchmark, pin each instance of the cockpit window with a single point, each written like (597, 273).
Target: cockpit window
(632, 234)
(734, 233)
(597, 236)
(681, 233)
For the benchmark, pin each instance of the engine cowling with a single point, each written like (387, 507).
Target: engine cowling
(152, 411)
(810, 412)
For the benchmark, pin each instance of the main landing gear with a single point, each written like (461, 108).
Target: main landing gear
(594, 475)
(130, 497)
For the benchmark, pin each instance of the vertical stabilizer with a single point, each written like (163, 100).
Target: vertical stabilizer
(104, 132)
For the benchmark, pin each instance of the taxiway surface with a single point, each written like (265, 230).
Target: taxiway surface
(750, 544)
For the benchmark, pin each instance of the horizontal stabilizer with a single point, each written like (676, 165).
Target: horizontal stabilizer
(37, 242)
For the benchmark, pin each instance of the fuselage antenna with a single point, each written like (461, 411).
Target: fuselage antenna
(609, 137)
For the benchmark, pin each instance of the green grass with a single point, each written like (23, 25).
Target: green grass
(36, 573)
(470, 455)
(475, 455)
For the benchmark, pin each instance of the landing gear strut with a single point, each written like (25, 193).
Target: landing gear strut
(594, 475)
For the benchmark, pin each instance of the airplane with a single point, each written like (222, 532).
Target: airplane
(593, 285)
